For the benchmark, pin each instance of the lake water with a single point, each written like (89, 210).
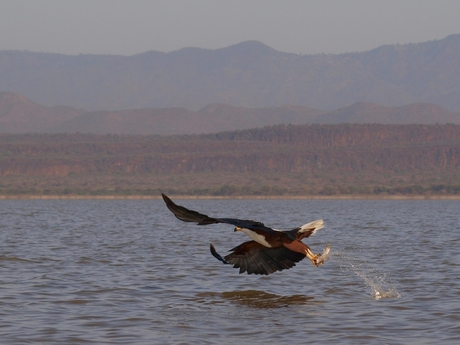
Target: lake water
(129, 272)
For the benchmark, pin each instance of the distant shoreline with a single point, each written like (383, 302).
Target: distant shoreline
(230, 197)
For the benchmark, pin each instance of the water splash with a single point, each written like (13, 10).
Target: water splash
(379, 282)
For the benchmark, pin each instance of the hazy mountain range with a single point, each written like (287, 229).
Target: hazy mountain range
(248, 75)
(21, 115)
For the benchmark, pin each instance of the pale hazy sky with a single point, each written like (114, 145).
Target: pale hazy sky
(128, 27)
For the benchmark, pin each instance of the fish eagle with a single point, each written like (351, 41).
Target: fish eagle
(270, 250)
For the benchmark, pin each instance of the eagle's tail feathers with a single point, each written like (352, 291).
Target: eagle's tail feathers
(312, 227)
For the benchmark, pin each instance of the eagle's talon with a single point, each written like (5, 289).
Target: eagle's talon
(313, 257)
(315, 260)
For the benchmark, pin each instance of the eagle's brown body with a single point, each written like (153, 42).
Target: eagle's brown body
(269, 251)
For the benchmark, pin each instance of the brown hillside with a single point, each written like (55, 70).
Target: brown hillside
(20, 115)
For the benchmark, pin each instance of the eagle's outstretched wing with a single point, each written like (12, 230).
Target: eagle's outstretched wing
(254, 258)
(187, 215)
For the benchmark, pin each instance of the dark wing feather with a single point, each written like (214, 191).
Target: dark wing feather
(187, 215)
(216, 254)
(254, 258)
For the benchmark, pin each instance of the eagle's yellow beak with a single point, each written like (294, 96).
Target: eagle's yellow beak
(238, 228)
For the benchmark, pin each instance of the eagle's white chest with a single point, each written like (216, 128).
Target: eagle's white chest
(256, 237)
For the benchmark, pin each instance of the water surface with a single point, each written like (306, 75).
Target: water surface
(129, 272)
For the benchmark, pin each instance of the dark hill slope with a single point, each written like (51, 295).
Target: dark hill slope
(420, 113)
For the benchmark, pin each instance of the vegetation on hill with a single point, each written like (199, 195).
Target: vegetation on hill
(293, 160)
